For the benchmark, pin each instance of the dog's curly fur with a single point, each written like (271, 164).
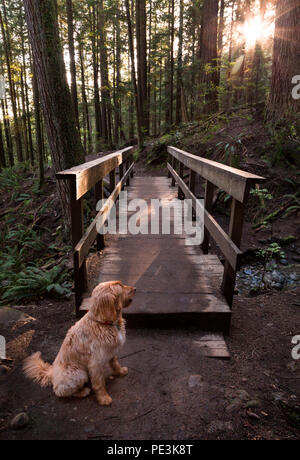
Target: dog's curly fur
(88, 347)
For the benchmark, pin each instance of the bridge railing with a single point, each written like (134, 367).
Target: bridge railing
(82, 179)
(237, 184)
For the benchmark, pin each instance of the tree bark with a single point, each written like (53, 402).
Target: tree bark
(72, 59)
(209, 54)
(179, 68)
(63, 136)
(38, 130)
(133, 76)
(7, 51)
(141, 37)
(2, 151)
(286, 55)
(105, 85)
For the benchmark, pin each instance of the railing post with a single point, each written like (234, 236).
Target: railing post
(121, 173)
(192, 186)
(181, 174)
(209, 195)
(80, 277)
(173, 163)
(127, 167)
(112, 180)
(169, 160)
(235, 233)
(99, 195)
(130, 163)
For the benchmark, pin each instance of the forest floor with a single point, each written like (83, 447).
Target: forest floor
(171, 392)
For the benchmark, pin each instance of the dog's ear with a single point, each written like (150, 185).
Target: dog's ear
(105, 307)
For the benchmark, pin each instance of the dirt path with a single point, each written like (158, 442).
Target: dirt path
(171, 391)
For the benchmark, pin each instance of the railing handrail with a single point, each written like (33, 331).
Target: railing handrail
(83, 177)
(237, 184)
(234, 181)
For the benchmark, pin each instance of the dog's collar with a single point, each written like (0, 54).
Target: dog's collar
(106, 323)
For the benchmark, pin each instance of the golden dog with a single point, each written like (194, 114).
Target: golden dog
(88, 347)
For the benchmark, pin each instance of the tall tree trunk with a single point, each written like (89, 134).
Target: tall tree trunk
(98, 117)
(209, 54)
(72, 59)
(9, 143)
(141, 37)
(105, 85)
(7, 51)
(63, 135)
(179, 68)
(133, 76)
(24, 117)
(2, 151)
(38, 130)
(86, 115)
(221, 38)
(285, 56)
(27, 105)
(118, 76)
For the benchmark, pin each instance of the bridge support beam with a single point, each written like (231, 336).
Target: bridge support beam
(80, 276)
(235, 233)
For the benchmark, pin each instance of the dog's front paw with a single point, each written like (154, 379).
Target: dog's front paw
(123, 372)
(104, 400)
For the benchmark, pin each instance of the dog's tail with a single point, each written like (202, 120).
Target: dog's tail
(37, 370)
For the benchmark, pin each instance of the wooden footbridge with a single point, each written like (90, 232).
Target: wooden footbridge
(176, 284)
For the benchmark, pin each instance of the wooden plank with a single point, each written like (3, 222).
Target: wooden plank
(231, 252)
(90, 235)
(213, 346)
(233, 181)
(169, 310)
(85, 176)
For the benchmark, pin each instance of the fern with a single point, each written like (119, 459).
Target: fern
(33, 282)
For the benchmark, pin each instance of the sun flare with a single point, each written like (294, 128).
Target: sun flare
(256, 30)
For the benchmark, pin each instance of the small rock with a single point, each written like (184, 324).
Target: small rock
(293, 276)
(252, 404)
(243, 395)
(195, 381)
(278, 396)
(19, 422)
(218, 426)
(284, 262)
(253, 415)
(234, 405)
(89, 429)
(244, 380)
(278, 277)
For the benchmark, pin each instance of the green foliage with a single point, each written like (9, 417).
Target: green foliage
(274, 250)
(262, 195)
(33, 282)
(22, 243)
(233, 150)
(295, 207)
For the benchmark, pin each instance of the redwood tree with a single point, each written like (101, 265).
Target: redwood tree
(209, 54)
(286, 56)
